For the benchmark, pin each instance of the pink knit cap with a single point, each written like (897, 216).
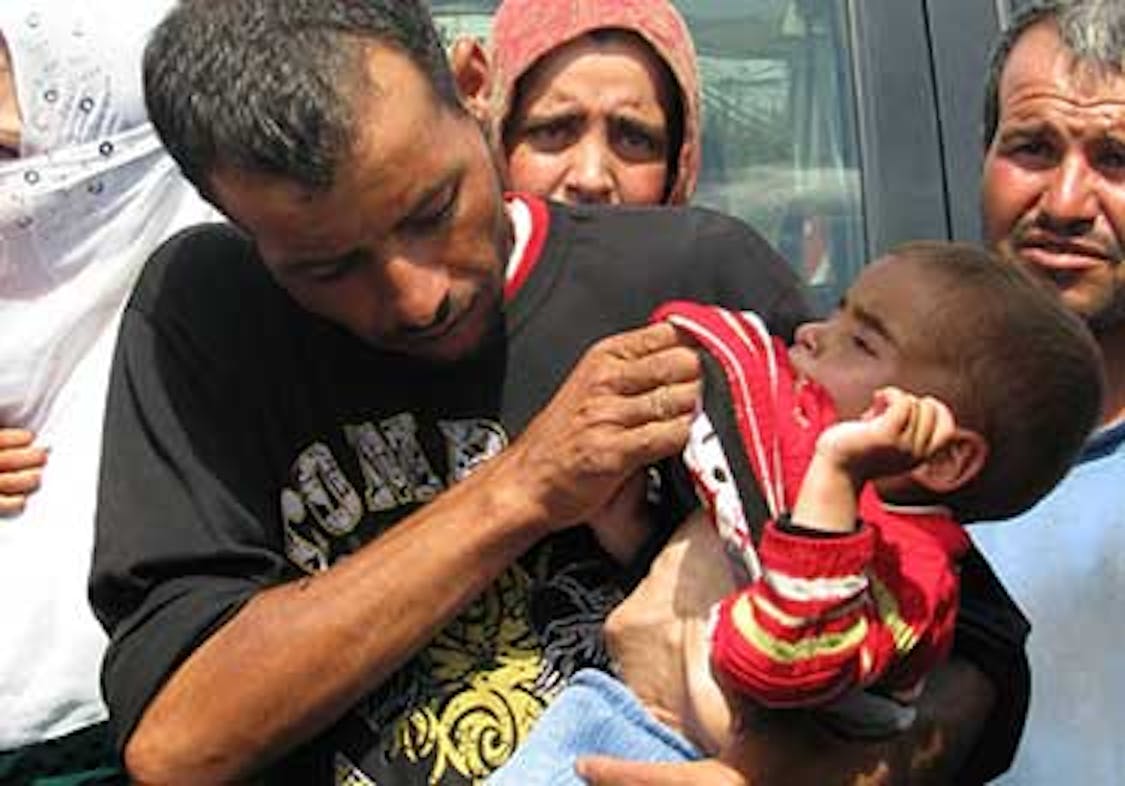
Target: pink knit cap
(523, 31)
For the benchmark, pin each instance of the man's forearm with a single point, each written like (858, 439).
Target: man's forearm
(297, 656)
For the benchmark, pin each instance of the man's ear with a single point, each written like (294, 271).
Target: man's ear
(472, 74)
(955, 465)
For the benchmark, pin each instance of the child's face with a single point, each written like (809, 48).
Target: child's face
(871, 340)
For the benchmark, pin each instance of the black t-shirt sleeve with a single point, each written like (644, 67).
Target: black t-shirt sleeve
(179, 544)
(748, 274)
(992, 634)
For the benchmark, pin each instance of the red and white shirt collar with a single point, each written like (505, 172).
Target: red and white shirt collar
(530, 221)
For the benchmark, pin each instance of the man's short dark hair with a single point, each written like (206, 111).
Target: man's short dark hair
(1093, 30)
(1014, 364)
(271, 86)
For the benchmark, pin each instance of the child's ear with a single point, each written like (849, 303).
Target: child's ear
(955, 465)
(470, 65)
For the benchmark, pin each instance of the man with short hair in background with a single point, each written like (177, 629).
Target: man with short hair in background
(1054, 201)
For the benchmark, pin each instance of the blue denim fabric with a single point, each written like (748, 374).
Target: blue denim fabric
(596, 714)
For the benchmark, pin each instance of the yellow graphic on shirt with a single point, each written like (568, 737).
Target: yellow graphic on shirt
(459, 708)
(492, 654)
(471, 697)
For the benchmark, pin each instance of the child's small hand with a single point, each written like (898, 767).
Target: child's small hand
(898, 432)
(623, 526)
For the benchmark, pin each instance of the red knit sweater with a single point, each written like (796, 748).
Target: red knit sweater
(820, 615)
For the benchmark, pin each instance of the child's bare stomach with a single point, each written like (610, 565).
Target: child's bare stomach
(658, 636)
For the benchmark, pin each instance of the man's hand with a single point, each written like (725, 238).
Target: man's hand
(21, 469)
(628, 403)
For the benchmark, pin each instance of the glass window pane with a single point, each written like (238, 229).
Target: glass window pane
(779, 128)
(779, 133)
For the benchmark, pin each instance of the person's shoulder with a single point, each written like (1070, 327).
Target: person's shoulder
(647, 216)
(198, 250)
(200, 263)
(727, 231)
(207, 284)
(1106, 442)
(665, 229)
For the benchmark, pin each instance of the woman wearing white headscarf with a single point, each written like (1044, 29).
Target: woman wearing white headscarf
(86, 194)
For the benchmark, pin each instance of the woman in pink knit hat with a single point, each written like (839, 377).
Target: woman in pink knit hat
(596, 100)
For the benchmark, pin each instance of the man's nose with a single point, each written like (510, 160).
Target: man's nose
(1069, 202)
(416, 292)
(590, 177)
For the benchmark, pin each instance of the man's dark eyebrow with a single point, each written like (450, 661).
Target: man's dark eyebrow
(1114, 136)
(304, 264)
(426, 197)
(1023, 129)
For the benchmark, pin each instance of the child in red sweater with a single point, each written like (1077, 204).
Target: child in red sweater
(948, 387)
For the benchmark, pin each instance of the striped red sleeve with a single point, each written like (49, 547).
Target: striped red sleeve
(818, 623)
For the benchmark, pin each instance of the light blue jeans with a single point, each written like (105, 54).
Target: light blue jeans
(595, 714)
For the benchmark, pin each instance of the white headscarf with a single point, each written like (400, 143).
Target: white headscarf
(90, 197)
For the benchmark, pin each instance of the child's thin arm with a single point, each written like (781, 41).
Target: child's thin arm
(623, 525)
(814, 626)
